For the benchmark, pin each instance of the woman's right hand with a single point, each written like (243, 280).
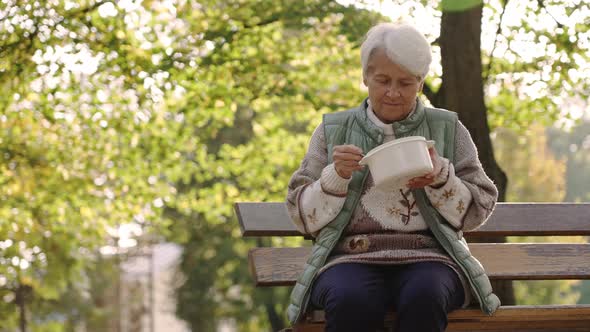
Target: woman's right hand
(346, 159)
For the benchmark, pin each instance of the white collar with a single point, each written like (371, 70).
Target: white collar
(387, 128)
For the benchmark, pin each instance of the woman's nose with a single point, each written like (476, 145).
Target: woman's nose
(393, 90)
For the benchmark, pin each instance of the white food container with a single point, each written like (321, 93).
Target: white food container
(399, 160)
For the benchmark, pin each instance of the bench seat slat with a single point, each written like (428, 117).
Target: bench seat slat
(516, 261)
(515, 219)
(554, 317)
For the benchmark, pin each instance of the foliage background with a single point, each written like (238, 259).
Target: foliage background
(164, 113)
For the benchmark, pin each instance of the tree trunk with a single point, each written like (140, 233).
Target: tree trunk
(21, 296)
(462, 92)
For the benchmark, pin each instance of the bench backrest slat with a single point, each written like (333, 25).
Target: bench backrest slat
(516, 219)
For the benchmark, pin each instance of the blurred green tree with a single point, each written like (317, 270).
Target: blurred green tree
(163, 113)
(280, 75)
(537, 175)
(573, 144)
(159, 112)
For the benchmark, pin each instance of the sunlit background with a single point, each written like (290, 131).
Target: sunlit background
(129, 128)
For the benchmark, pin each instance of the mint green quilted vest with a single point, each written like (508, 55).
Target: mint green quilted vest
(354, 127)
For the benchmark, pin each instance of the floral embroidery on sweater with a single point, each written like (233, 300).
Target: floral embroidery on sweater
(393, 209)
(460, 206)
(408, 205)
(312, 217)
(449, 193)
(444, 198)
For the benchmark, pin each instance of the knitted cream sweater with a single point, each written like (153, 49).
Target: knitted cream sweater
(387, 227)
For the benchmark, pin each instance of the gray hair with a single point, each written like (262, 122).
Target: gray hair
(403, 44)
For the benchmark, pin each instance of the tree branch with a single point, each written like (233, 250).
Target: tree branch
(489, 67)
(31, 37)
(427, 91)
(542, 5)
(435, 98)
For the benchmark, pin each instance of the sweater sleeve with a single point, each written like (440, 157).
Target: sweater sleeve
(316, 192)
(462, 192)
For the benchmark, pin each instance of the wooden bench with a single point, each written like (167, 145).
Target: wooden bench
(513, 261)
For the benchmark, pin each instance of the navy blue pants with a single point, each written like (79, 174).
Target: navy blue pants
(355, 297)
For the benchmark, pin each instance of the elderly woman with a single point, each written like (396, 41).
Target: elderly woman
(397, 247)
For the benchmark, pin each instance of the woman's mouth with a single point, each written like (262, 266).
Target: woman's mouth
(393, 104)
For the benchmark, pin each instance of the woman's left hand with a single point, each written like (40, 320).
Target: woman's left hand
(423, 181)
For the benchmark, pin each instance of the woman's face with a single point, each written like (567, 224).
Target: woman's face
(392, 89)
